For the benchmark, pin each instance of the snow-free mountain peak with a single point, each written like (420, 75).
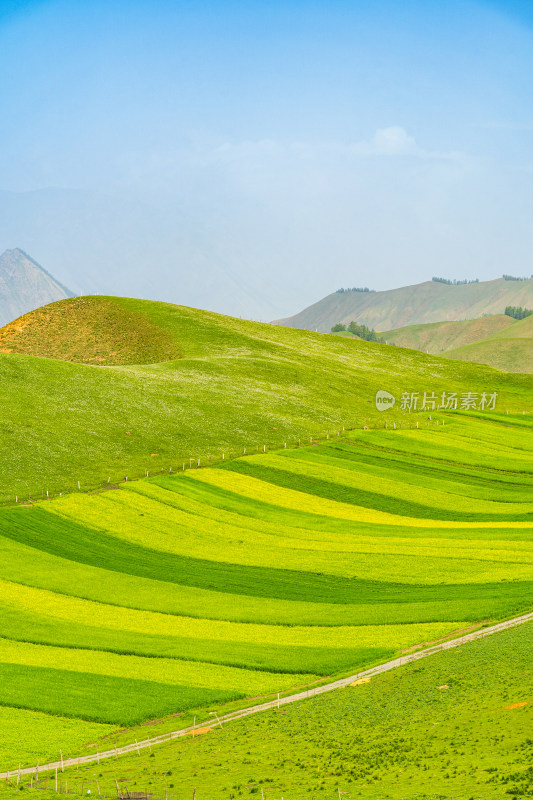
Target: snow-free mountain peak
(25, 285)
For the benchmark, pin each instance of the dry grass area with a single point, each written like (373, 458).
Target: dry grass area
(88, 330)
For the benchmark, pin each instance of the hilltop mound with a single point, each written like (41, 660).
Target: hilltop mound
(238, 384)
(90, 330)
(25, 285)
(431, 301)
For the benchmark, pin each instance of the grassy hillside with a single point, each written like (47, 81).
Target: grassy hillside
(513, 355)
(182, 593)
(269, 572)
(456, 725)
(522, 329)
(236, 384)
(412, 305)
(177, 593)
(90, 330)
(498, 341)
(345, 334)
(509, 349)
(436, 337)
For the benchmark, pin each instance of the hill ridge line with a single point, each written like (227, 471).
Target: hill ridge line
(420, 303)
(274, 704)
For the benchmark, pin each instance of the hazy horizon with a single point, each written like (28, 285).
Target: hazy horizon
(251, 158)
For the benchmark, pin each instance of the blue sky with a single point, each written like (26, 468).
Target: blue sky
(322, 143)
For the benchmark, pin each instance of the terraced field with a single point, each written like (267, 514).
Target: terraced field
(272, 571)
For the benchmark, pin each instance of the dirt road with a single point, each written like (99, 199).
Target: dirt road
(293, 698)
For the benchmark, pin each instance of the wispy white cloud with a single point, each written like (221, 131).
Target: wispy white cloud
(390, 142)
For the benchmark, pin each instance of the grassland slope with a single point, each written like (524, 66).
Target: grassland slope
(510, 348)
(89, 330)
(437, 337)
(521, 329)
(270, 572)
(456, 725)
(511, 355)
(237, 385)
(426, 302)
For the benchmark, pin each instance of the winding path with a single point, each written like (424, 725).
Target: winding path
(292, 698)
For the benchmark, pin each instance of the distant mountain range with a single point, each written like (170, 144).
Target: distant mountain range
(431, 301)
(25, 285)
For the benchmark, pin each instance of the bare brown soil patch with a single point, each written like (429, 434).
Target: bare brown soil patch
(199, 731)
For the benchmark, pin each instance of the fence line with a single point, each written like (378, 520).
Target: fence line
(276, 703)
(185, 464)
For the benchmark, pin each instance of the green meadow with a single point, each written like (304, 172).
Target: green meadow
(162, 384)
(455, 725)
(180, 594)
(330, 537)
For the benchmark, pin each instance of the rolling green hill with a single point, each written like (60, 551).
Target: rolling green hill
(510, 348)
(512, 355)
(498, 341)
(193, 591)
(133, 604)
(426, 302)
(437, 337)
(90, 330)
(236, 384)
(522, 329)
